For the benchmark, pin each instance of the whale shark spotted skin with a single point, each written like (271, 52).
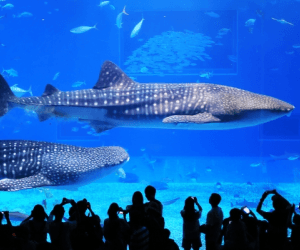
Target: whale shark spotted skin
(118, 101)
(30, 164)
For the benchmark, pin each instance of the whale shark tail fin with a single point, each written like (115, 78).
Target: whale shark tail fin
(5, 95)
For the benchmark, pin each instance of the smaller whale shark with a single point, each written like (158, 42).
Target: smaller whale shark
(31, 164)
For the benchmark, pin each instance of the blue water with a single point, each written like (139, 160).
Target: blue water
(263, 61)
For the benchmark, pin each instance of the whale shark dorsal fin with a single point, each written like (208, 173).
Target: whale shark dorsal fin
(49, 90)
(111, 76)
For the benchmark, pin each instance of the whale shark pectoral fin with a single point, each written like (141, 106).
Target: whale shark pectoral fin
(24, 183)
(198, 118)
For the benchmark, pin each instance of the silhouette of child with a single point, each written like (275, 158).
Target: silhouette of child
(214, 221)
(191, 234)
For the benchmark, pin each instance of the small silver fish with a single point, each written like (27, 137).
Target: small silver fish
(112, 7)
(121, 173)
(137, 29)
(296, 46)
(9, 72)
(23, 14)
(78, 84)
(55, 76)
(206, 75)
(8, 6)
(255, 165)
(212, 14)
(20, 92)
(292, 158)
(250, 22)
(119, 18)
(104, 3)
(282, 21)
(82, 29)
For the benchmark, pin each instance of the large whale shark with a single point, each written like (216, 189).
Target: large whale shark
(30, 164)
(118, 101)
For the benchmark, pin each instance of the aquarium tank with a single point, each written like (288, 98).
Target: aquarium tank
(184, 102)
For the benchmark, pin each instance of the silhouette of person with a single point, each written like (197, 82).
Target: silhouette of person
(116, 230)
(278, 220)
(236, 233)
(168, 244)
(60, 231)
(150, 192)
(295, 235)
(214, 221)
(139, 234)
(137, 206)
(6, 231)
(37, 227)
(251, 223)
(88, 233)
(191, 233)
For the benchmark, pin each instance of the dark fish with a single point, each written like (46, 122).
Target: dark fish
(243, 203)
(193, 175)
(17, 216)
(218, 185)
(44, 203)
(159, 185)
(165, 203)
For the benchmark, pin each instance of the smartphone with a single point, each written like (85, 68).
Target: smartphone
(246, 210)
(120, 212)
(230, 222)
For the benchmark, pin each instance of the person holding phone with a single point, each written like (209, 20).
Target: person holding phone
(191, 233)
(236, 233)
(250, 220)
(60, 231)
(116, 230)
(278, 219)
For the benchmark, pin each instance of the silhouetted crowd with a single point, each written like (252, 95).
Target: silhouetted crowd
(144, 227)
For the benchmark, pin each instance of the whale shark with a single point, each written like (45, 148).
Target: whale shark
(31, 164)
(118, 101)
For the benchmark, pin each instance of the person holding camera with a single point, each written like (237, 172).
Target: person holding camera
(191, 232)
(277, 220)
(236, 232)
(37, 227)
(251, 223)
(60, 231)
(116, 230)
